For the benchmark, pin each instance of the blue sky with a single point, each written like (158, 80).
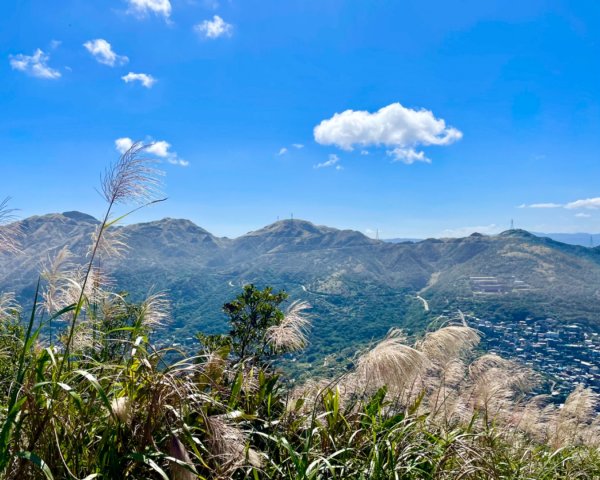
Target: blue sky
(458, 115)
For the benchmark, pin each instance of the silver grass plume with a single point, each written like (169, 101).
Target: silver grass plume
(290, 334)
(535, 417)
(86, 338)
(93, 288)
(487, 362)
(110, 243)
(497, 385)
(443, 388)
(8, 305)
(10, 230)
(113, 305)
(448, 343)
(575, 419)
(56, 272)
(121, 409)
(580, 405)
(227, 443)
(155, 310)
(132, 178)
(391, 363)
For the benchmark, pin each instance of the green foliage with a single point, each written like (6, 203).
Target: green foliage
(251, 314)
(101, 400)
(128, 410)
(12, 336)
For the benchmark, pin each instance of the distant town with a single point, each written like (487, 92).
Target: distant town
(565, 354)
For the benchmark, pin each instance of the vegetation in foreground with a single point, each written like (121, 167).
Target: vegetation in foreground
(84, 392)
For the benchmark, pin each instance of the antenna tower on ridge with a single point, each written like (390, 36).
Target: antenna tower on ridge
(512, 224)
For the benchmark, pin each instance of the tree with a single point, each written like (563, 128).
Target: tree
(251, 314)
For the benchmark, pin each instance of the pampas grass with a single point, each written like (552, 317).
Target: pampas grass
(133, 179)
(10, 231)
(103, 401)
(291, 334)
(391, 363)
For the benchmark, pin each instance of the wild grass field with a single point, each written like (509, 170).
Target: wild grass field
(86, 393)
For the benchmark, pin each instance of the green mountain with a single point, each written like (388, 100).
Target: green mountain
(359, 287)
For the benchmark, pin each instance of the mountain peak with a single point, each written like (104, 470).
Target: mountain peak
(291, 227)
(79, 216)
(172, 225)
(517, 233)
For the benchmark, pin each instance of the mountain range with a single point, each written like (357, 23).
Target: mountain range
(359, 287)
(583, 239)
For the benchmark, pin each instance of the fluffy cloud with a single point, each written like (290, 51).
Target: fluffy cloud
(297, 145)
(123, 144)
(590, 203)
(35, 65)
(282, 151)
(145, 79)
(143, 7)
(103, 52)
(160, 148)
(215, 28)
(399, 128)
(331, 162)
(582, 215)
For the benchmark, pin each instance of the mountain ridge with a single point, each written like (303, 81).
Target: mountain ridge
(359, 287)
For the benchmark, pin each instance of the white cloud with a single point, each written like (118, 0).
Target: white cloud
(143, 7)
(541, 205)
(491, 229)
(159, 148)
(297, 145)
(364, 152)
(178, 161)
(145, 79)
(399, 128)
(123, 144)
(215, 28)
(282, 151)
(35, 65)
(582, 215)
(333, 160)
(590, 203)
(545, 205)
(407, 155)
(103, 52)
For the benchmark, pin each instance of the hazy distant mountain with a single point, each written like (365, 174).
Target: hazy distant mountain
(359, 287)
(583, 239)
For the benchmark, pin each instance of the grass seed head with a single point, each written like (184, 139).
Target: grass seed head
(132, 179)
